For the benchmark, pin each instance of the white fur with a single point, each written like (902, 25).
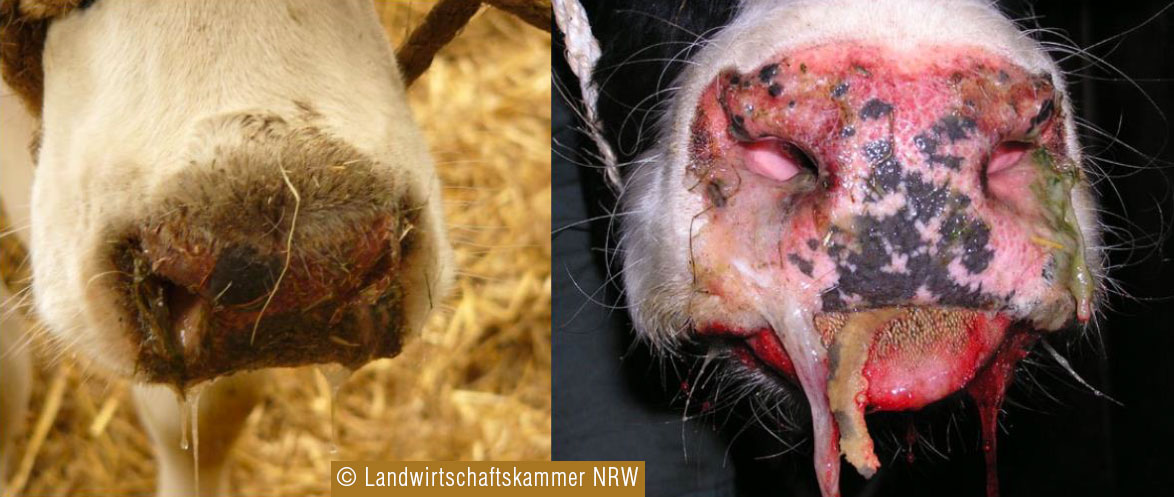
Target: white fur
(660, 208)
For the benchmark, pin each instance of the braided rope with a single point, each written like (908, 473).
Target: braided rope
(582, 55)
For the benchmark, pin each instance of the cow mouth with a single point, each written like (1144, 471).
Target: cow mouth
(190, 326)
(898, 358)
(910, 356)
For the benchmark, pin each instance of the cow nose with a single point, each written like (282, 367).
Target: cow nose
(210, 300)
(247, 264)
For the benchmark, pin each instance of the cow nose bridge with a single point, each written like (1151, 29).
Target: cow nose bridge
(926, 171)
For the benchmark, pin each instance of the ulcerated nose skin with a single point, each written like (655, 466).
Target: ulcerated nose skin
(208, 306)
(939, 178)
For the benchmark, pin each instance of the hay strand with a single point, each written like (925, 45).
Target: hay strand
(293, 224)
(40, 431)
(14, 270)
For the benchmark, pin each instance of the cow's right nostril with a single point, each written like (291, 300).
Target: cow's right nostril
(242, 275)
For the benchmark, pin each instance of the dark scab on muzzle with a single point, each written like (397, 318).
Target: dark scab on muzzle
(875, 109)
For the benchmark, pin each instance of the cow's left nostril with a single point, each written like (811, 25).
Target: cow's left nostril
(242, 275)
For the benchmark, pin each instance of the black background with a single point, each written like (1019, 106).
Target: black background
(611, 401)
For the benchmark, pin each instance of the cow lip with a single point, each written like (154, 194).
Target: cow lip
(183, 339)
(931, 354)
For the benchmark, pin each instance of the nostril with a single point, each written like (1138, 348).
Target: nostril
(777, 160)
(998, 174)
(1005, 155)
(242, 275)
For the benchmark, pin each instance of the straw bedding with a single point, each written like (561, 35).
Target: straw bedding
(474, 385)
